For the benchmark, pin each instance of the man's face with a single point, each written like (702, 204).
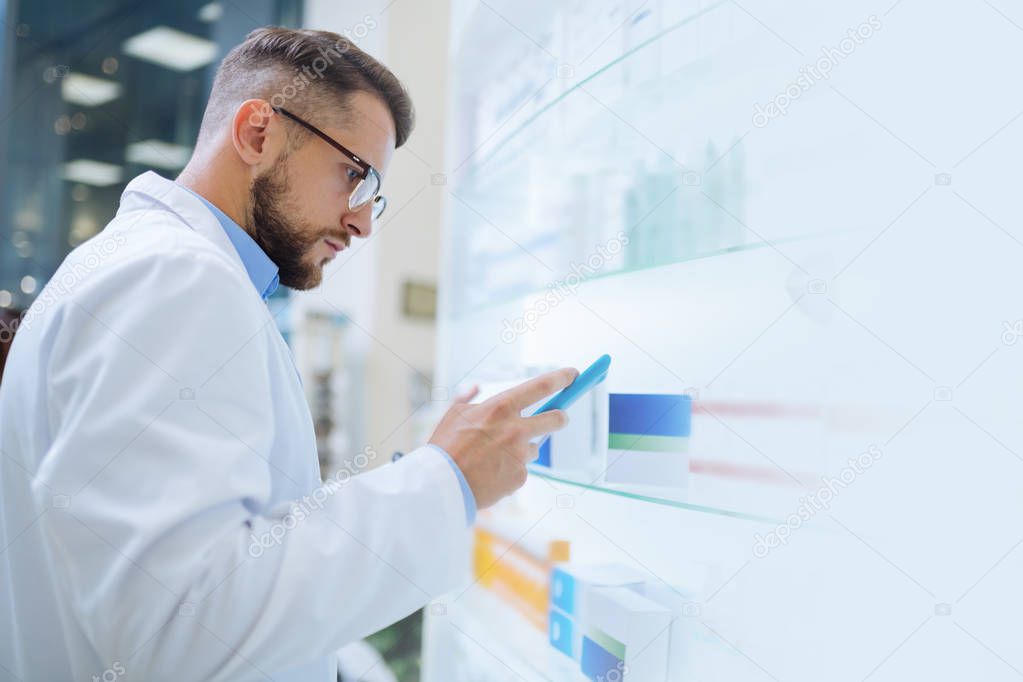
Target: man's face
(300, 215)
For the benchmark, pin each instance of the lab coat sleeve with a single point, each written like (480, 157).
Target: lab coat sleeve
(162, 429)
(467, 495)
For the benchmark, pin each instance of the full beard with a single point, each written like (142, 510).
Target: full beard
(286, 242)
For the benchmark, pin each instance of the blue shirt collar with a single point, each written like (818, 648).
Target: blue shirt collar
(261, 270)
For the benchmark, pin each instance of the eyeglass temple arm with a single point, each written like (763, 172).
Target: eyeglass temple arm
(326, 138)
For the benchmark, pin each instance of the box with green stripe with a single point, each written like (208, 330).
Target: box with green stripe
(648, 439)
(627, 638)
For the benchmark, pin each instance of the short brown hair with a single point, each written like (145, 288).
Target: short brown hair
(304, 70)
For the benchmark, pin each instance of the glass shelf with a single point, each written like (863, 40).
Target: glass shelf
(664, 500)
(753, 246)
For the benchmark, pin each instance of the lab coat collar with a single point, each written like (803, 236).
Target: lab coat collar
(262, 271)
(150, 187)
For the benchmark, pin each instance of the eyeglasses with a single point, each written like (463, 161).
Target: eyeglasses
(368, 189)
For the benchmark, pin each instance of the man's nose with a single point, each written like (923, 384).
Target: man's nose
(360, 223)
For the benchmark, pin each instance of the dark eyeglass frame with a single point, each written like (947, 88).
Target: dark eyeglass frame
(378, 200)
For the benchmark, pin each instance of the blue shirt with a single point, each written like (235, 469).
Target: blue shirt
(264, 275)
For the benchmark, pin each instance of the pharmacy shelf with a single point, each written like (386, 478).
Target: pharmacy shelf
(491, 183)
(681, 181)
(664, 499)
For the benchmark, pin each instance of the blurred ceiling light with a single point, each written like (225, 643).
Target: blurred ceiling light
(79, 192)
(28, 219)
(171, 48)
(51, 74)
(28, 284)
(62, 126)
(89, 172)
(110, 66)
(83, 226)
(22, 244)
(159, 154)
(5, 298)
(88, 91)
(210, 12)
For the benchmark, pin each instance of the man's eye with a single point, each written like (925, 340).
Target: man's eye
(352, 174)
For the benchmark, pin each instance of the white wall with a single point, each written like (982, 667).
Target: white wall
(366, 283)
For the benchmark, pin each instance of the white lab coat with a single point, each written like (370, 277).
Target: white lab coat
(155, 435)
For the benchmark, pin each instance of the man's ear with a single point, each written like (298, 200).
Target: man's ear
(255, 133)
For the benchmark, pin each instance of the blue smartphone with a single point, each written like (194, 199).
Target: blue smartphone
(589, 378)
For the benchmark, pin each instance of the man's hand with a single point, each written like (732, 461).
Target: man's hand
(490, 441)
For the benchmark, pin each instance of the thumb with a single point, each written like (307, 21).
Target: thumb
(467, 396)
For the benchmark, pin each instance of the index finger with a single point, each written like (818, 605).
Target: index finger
(529, 392)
